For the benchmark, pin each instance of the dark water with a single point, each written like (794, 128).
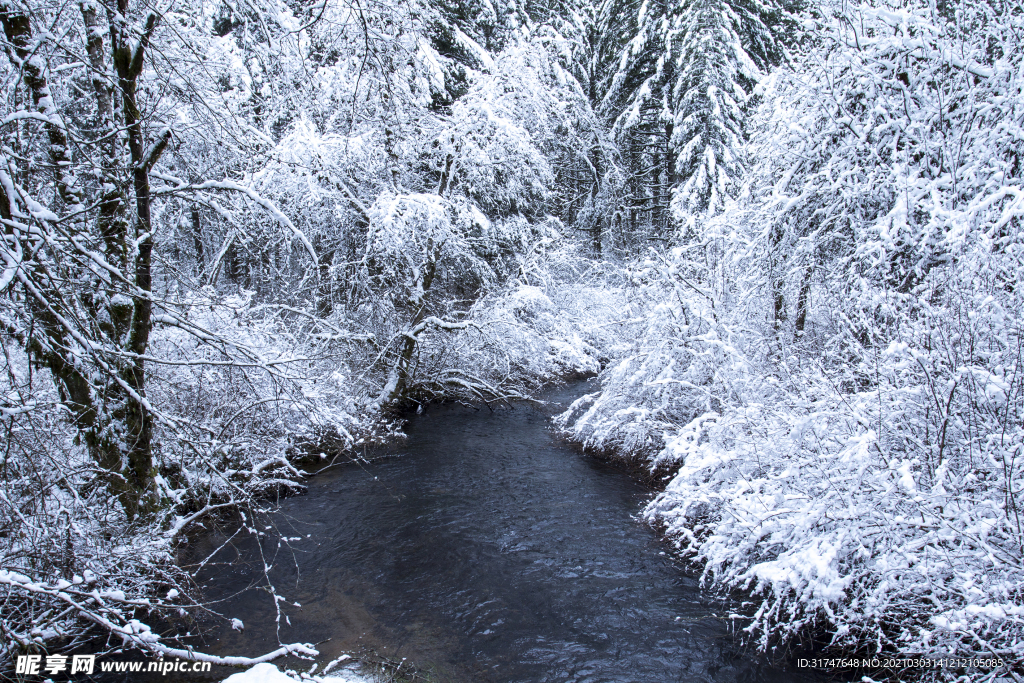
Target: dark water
(485, 550)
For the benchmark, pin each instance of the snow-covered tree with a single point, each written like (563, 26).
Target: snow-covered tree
(677, 103)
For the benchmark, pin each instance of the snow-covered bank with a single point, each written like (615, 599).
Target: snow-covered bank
(268, 673)
(873, 502)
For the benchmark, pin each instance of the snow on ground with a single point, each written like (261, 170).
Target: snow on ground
(268, 673)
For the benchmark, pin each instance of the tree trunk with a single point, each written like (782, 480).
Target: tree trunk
(442, 184)
(777, 278)
(324, 303)
(197, 238)
(18, 31)
(595, 191)
(803, 303)
(112, 222)
(52, 343)
(401, 373)
(138, 419)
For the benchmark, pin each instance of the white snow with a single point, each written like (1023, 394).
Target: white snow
(268, 673)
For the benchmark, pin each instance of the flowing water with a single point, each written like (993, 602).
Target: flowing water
(484, 549)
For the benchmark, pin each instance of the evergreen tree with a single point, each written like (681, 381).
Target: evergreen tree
(677, 98)
(705, 105)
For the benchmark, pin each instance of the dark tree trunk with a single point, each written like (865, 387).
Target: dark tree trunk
(324, 289)
(139, 470)
(197, 238)
(51, 342)
(803, 303)
(777, 278)
(595, 191)
(402, 372)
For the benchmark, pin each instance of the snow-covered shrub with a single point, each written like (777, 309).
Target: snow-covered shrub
(681, 367)
(559, 316)
(238, 420)
(888, 516)
(239, 387)
(552, 322)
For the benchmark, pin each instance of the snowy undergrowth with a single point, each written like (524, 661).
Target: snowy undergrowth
(563, 316)
(674, 371)
(245, 417)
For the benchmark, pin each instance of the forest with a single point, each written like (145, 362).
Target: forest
(243, 236)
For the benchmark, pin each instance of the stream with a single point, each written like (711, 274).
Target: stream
(483, 549)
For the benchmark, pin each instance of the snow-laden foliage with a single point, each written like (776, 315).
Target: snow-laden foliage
(880, 502)
(671, 375)
(561, 316)
(887, 514)
(830, 381)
